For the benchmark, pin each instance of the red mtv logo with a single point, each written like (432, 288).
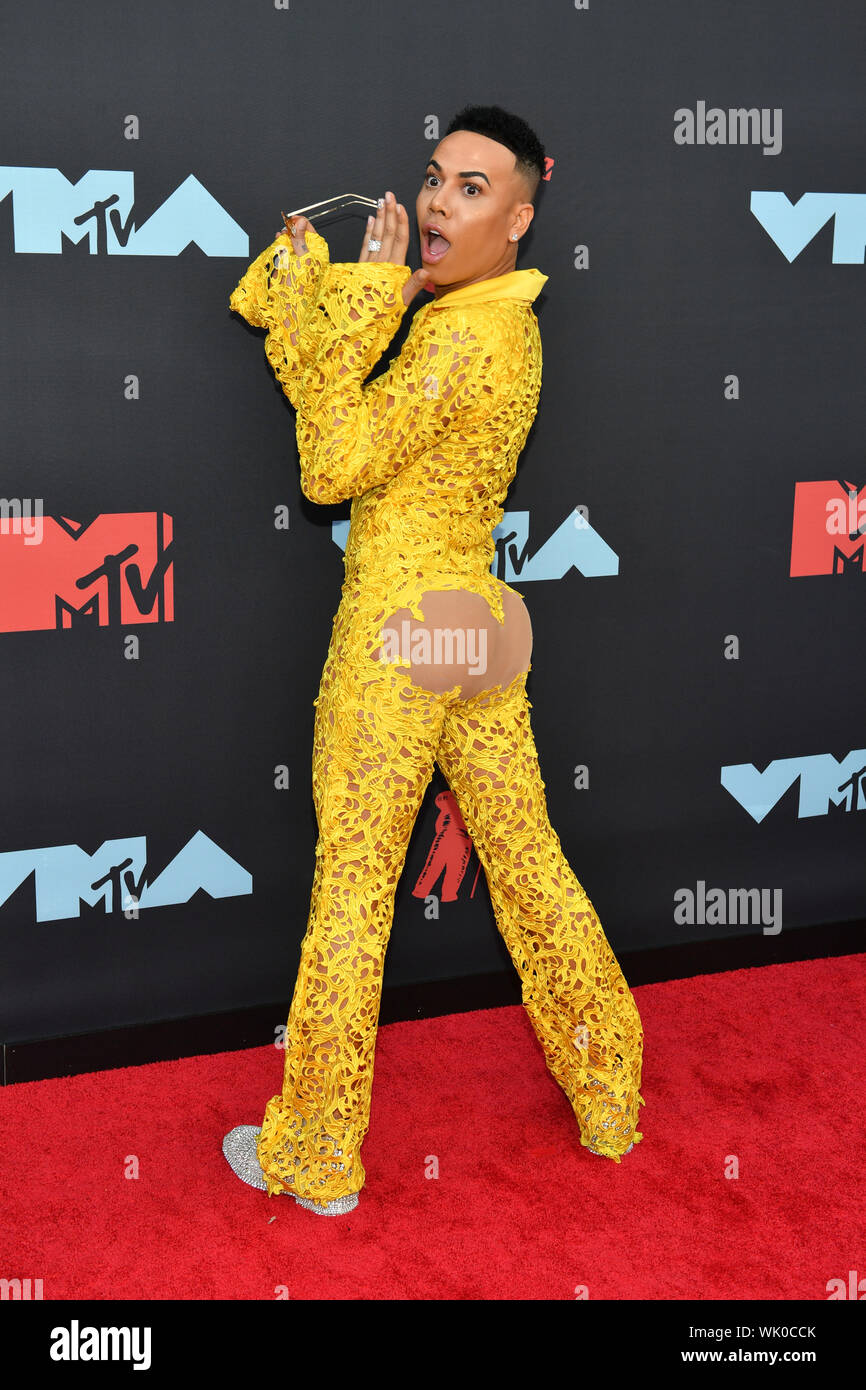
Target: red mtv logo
(449, 853)
(829, 529)
(112, 571)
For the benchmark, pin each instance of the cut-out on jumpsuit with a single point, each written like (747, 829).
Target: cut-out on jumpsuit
(426, 451)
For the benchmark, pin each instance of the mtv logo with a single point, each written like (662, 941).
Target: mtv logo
(573, 545)
(118, 874)
(112, 571)
(829, 528)
(824, 782)
(100, 206)
(793, 225)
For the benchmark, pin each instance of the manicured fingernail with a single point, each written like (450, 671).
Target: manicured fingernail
(369, 219)
(380, 202)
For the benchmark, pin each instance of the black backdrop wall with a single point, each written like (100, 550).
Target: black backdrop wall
(687, 524)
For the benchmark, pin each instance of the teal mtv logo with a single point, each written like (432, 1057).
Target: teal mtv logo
(100, 206)
(824, 782)
(117, 874)
(793, 225)
(573, 545)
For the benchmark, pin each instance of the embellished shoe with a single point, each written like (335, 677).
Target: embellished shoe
(338, 1206)
(239, 1148)
(608, 1124)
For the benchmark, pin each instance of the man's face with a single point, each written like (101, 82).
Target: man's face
(473, 194)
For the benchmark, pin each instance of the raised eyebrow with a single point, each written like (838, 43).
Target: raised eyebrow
(464, 173)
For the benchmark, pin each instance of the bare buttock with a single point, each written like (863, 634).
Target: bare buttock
(459, 641)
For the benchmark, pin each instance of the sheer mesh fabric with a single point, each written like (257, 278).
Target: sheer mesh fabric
(426, 452)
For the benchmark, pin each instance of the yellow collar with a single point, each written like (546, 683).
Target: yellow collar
(515, 284)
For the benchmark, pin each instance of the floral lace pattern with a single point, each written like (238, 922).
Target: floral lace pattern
(426, 452)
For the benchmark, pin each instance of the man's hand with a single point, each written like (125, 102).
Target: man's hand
(391, 226)
(296, 227)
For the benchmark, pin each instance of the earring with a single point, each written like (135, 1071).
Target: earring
(513, 236)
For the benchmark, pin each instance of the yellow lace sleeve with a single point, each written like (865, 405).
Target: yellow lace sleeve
(278, 293)
(352, 437)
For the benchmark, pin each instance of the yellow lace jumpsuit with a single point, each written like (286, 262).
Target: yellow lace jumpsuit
(426, 452)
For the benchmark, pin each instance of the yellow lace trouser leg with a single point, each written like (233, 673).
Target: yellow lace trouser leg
(376, 739)
(374, 750)
(574, 992)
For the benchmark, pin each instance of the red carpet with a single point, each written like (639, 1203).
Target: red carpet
(766, 1065)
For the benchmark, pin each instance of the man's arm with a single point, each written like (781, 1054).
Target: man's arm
(278, 292)
(353, 437)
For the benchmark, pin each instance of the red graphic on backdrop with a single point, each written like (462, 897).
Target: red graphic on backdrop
(829, 530)
(113, 571)
(449, 853)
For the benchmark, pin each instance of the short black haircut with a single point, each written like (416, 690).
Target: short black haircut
(510, 131)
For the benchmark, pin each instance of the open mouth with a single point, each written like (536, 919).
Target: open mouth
(433, 247)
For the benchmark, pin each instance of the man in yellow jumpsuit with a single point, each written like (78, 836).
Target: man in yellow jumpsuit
(429, 652)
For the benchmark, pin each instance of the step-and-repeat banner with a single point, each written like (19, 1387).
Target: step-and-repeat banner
(687, 525)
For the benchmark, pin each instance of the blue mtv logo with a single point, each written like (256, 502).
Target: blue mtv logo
(118, 874)
(573, 545)
(824, 782)
(793, 225)
(101, 207)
